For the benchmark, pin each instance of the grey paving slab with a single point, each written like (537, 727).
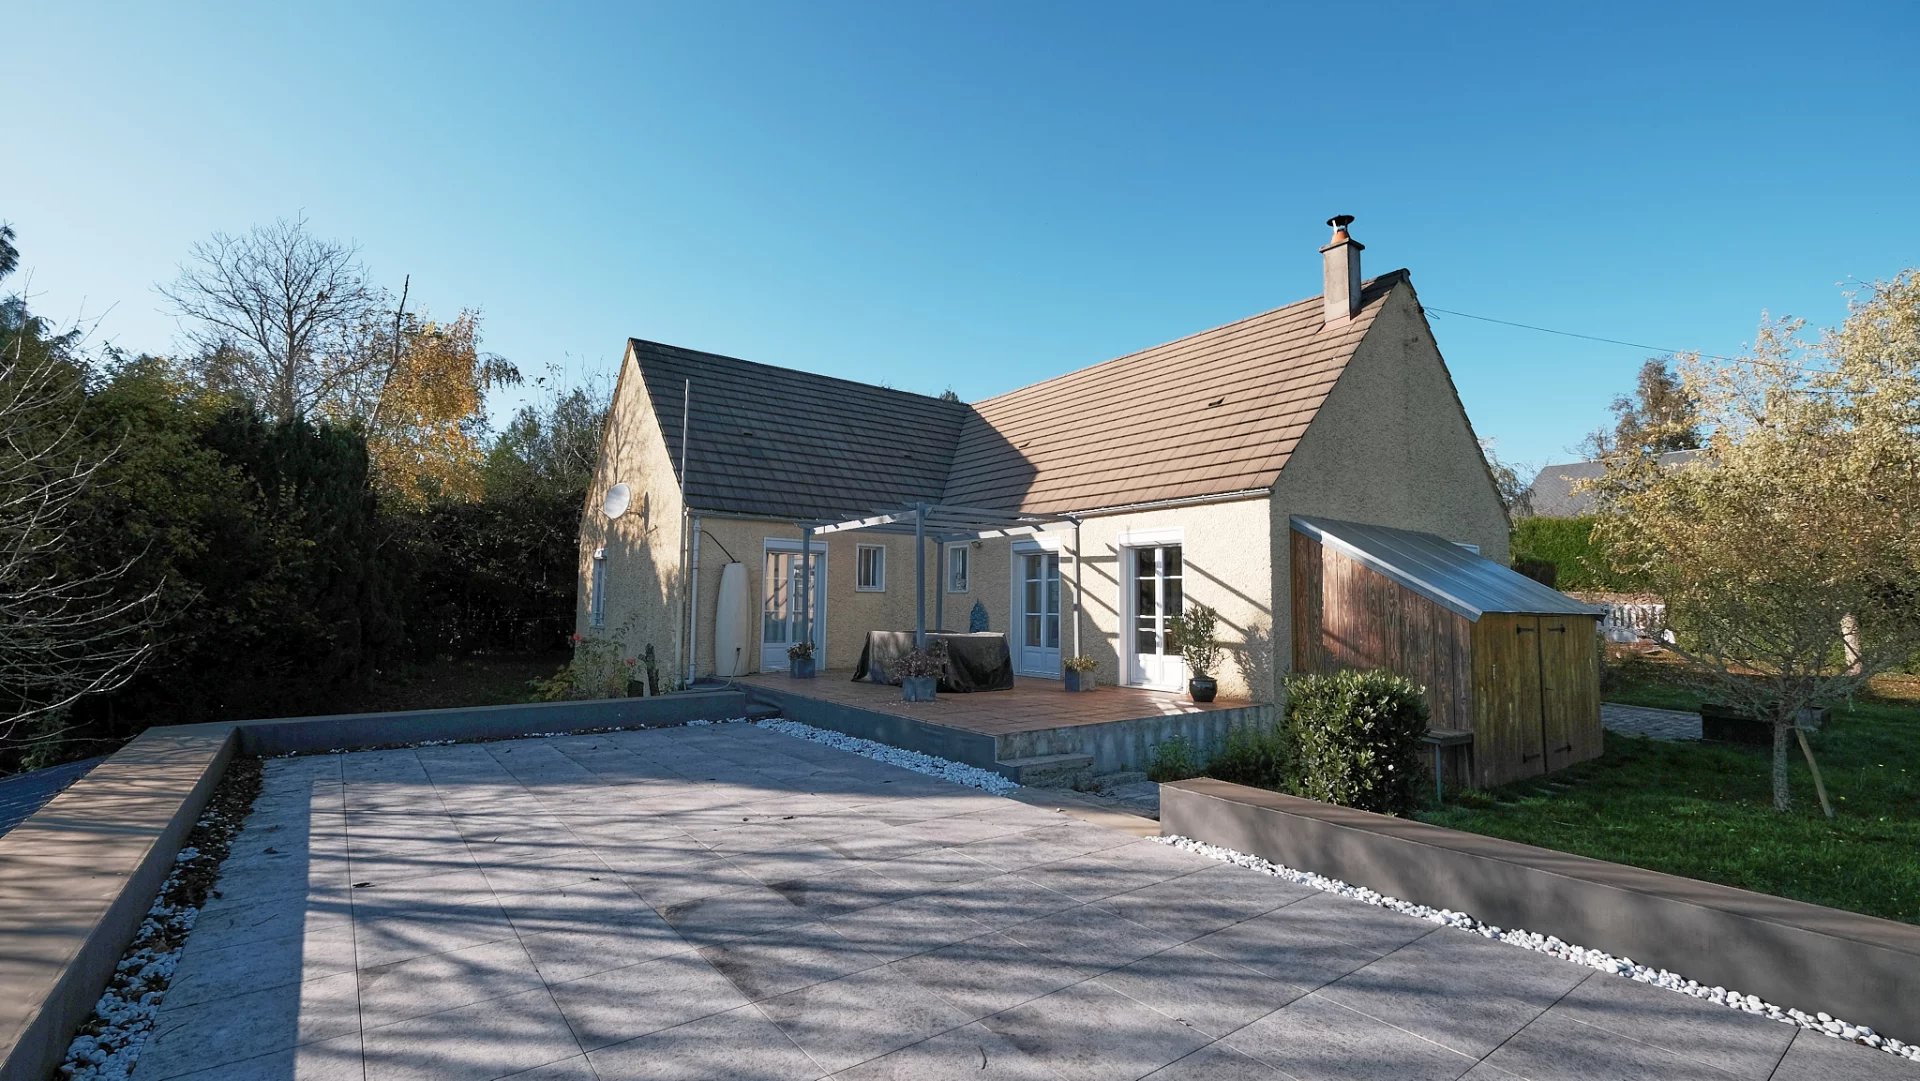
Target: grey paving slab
(1665, 724)
(727, 902)
(1740, 1044)
(1091, 1033)
(740, 1044)
(1814, 1057)
(1458, 989)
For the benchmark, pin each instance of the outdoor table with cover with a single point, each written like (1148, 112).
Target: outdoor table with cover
(975, 662)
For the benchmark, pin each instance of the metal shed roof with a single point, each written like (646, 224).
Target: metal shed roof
(1441, 570)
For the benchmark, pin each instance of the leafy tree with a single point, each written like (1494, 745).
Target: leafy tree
(1510, 480)
(551, 444)
(1803, 511)
(428, 415)
(67, 630)
(1661, 415)
(281, 316)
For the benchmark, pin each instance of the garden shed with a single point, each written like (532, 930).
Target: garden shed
(1504, 658)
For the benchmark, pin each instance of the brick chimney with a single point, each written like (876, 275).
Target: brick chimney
(1340, 273)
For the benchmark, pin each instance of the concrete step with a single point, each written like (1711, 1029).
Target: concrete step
(1048, 770)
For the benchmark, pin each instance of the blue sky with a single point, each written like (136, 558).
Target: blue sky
(979, 196)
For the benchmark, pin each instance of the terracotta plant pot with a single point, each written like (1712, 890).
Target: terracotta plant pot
(918, 688)
(1202, 688)
(800, 667)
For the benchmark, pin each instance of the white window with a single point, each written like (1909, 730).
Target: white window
(871, 576)
(597, 592)
(959, 567)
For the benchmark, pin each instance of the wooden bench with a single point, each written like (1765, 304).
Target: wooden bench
(1440, 739)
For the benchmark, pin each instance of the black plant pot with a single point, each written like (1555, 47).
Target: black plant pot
(1202, 688)
(800, 667)
(1078, 681)
(918, 688)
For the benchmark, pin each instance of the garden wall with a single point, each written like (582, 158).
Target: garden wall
(1788, 952)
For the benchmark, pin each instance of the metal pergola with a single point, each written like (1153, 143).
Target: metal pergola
(941, 523)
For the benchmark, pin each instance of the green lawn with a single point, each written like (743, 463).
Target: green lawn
(1704, 810)
(479, 680)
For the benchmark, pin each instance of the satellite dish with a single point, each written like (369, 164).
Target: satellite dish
(618, 497)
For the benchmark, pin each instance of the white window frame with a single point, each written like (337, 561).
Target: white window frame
(965, 548)
(597, 590)
(880, 564)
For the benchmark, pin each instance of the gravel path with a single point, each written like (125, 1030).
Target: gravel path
(729, 901)
(1668, 724)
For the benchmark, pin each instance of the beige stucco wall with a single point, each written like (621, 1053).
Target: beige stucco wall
(850, 614)
(1392, 446)
(1224, 547)
(643, 602)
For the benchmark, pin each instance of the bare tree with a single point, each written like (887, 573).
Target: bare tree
(280, 315)
(63, 635)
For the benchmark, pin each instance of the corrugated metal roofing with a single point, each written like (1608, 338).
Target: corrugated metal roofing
(1213, 413)
(1441, 570)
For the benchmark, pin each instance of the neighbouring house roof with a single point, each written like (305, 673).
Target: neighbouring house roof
(1210, 414)
(1440, 570)
(1553, 495)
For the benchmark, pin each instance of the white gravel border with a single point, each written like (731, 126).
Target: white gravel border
(1553, 947)
(132, 999)
(943, 768)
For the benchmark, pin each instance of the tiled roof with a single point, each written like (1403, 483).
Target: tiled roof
(1213, 413)
(1218, 411)
(775, 441)
(1552, 494)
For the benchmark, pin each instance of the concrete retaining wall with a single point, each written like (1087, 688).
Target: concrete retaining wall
(77, 877)
(961, 746)
(1860, 968)
(1129, 744)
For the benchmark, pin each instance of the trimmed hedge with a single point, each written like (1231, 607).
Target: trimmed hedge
(1356, 739)
(1568, 544)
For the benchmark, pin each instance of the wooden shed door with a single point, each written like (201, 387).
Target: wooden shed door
(1568, 690)
(1508, 733)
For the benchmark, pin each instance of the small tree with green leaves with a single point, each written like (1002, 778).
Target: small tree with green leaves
(1801, 515)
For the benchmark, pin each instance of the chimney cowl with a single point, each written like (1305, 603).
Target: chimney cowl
(1340, 272)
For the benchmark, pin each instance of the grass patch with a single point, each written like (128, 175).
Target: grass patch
(1704, 810)
(478, 680)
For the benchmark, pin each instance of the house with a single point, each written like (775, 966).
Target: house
(1178, 468)
(1558, 491)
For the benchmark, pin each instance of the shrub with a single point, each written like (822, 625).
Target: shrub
(1578, 558)
(1173, 760)
(597, 670)
(1194, 633)
(1544, 571)
(1253, 754)
(1356, 739)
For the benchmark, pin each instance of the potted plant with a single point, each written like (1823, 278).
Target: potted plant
(1079, 672)
(1193, 632)
(919, 672)
(800, 660)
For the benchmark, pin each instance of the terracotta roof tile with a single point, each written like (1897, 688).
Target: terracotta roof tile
(1215, 412)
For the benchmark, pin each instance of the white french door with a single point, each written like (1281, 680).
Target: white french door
(780, 604)
(1036, 611)
(1153, 656)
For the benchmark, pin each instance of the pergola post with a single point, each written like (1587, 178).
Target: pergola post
(1076, 587)
(919, 576)
(939, 584)
(806, 583)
